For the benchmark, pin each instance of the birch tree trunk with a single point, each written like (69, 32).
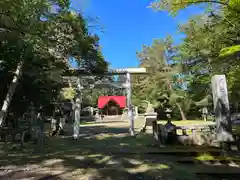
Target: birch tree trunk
(11, 91)
(181, 111)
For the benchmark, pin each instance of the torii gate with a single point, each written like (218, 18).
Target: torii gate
(124, 71)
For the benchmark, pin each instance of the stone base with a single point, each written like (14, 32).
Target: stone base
(150, 118)
(197, 140)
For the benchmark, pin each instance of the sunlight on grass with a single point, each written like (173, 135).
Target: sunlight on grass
(103, 136)
(124, 144)
(104, 159)
(205, 157)
(163, 166)
(51, 162)
(107, 151)
(148, 167)
(187, 122)
(141, 168)
(139, 123)
(208, 157)
(94, 155)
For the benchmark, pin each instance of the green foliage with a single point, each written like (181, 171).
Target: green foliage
(163, 87)
(43, 35)
(230, 50)
(68, 93)
(174, 6)
(206, 35)
(181, 75)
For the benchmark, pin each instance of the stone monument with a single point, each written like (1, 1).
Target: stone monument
(221, 109)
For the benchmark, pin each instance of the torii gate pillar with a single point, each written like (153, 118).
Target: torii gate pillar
(129, 103)
(128, 72)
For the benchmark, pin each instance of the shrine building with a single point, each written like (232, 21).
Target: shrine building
(112, 105)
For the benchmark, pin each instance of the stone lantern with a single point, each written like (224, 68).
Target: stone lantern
(151, 119)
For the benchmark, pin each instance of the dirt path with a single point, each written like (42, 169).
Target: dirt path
(103, 152)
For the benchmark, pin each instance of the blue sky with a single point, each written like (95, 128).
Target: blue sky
(127, 25)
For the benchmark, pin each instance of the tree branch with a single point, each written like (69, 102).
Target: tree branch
(215, 2)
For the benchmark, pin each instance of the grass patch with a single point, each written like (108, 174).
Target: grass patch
(139, 123)
(205, 157)
(106, 152)
(208, 157)
(187, 122)
(84, 122)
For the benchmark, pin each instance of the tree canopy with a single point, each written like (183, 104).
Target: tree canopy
(38, 38)
(210, 46)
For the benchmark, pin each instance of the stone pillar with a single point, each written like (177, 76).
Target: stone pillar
(91, 111)
(129, 103)
(77, 115)
(205, 113)
(62, 122)
(136, 112)
(33, 122)
(221, 108)
(97, 116)
(77, 111)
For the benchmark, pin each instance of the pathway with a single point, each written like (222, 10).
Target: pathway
(103, 152)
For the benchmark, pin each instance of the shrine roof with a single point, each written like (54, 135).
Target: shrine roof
(104, 100)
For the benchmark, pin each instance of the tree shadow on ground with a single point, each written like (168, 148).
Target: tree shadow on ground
(23, 174)
(100, 153)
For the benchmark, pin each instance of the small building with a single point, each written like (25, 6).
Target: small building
(112, 105)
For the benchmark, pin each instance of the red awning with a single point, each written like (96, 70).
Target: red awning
(103, 100)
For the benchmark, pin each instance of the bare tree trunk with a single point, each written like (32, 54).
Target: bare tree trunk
(181, 111)
(11, 90)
